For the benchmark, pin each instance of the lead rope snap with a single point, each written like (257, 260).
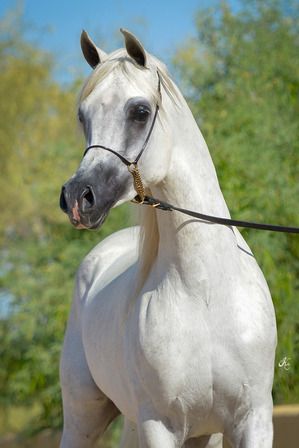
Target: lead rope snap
(138, 185)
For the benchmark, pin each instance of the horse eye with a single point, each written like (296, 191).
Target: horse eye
(140, 113)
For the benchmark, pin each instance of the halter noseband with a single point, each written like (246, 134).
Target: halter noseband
(132, 166)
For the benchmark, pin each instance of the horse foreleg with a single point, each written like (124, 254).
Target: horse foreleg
(129, 436)
(154, 433)
(256, 431)
(87, 411)
(129, 439)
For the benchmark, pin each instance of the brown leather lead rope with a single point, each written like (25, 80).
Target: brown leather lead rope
(148, 200)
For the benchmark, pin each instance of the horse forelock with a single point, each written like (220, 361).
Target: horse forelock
(119, 61)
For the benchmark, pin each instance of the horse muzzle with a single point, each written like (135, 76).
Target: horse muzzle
(83, 206)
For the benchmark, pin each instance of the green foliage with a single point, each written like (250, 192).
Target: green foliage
(39, 148)
(241, 76)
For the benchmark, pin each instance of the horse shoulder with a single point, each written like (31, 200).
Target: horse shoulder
(105, 260)
(98, 261)
(248, 319)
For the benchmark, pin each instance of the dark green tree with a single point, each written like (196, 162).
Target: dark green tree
(39, 150)
(241, 78)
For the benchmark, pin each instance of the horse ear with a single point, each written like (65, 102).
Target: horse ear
(91, 52)
(134, 48)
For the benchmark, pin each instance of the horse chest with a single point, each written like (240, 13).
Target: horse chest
(159, 350)
(171, 360)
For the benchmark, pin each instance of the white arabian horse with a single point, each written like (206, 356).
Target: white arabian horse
(172, 324)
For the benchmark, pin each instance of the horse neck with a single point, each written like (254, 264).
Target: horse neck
(191, 183)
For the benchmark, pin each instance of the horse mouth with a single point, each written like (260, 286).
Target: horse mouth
(96, 225)
(85, 221)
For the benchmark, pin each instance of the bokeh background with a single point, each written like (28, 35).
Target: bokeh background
(237, 64)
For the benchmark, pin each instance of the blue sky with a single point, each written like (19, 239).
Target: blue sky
(160, 24)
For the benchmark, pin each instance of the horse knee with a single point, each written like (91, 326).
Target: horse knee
(255, 432)
(85, 422)
(129, 436)
(154, 434)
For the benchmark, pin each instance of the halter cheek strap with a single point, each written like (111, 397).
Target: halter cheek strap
(132, 166)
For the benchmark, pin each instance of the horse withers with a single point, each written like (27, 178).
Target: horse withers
(172, 324)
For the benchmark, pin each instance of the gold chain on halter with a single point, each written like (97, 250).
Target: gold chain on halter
(138, 185)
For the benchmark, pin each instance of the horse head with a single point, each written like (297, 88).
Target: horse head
(118, 107)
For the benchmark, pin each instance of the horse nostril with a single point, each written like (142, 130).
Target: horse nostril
(62, 201)
(87, 199)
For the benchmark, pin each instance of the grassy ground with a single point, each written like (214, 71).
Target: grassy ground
(286, 430)
(14, 420)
